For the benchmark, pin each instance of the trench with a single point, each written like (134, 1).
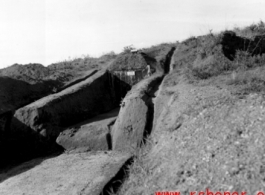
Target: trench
(25, 144)
(151, 108)
(117, 181)
(114, 185)
(168, 60)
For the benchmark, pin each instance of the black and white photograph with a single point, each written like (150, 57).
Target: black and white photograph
(132, 97)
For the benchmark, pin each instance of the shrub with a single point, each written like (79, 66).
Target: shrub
(212, 60)
(252, 80)
(251, 30)
(212, 64)
(244, 60)
(128, 49)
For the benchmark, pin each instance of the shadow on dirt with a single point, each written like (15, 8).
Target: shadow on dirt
(16, 169)
(150, 103)
(22, 143)
(18, 147)
(168, 60)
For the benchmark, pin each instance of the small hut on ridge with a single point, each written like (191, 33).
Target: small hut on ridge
(131, 67)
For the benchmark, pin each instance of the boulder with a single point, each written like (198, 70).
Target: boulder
(68, 174)
(93, 134)
(135, 117)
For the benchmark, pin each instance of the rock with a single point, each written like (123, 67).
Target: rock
(133, 120)
(93, 96)
(91, 135)
(68, 174)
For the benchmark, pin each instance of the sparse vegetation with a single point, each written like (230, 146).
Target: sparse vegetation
(198, 140)
(166, 164)
(138, 171)
(84, 62)
(251, 30)
(128, 49)
(252, 80)
(225, 53)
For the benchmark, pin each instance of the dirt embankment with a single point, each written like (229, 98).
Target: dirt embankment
(61, 73)
(93, 172)
(45, 118)
(206, 136)
(35, 127)
(90, 135)
(208, 121)
(23, 84)
(84, 100)
(136, 115)
(15, 94)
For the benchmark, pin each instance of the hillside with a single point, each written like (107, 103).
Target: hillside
(30, 82)
(208, 119)
(62, 72)
(196, 123)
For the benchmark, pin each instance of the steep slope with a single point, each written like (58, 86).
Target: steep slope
(205, 125)
(206, 136)
(208, 130)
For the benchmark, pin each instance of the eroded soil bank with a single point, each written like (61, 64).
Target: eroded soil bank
(136, 115)
(92, 134)
(206, 136)
(84, 100)
(35, 127)
(79, 171)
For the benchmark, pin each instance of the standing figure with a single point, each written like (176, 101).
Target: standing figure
(148, 70)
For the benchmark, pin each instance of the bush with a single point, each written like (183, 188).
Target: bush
(128, 49)
(251, 30)
(251, 80)
(209, 65)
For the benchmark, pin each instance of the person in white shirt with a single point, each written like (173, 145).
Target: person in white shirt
(148, 70)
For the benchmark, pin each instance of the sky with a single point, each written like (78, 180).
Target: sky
(48, 31)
